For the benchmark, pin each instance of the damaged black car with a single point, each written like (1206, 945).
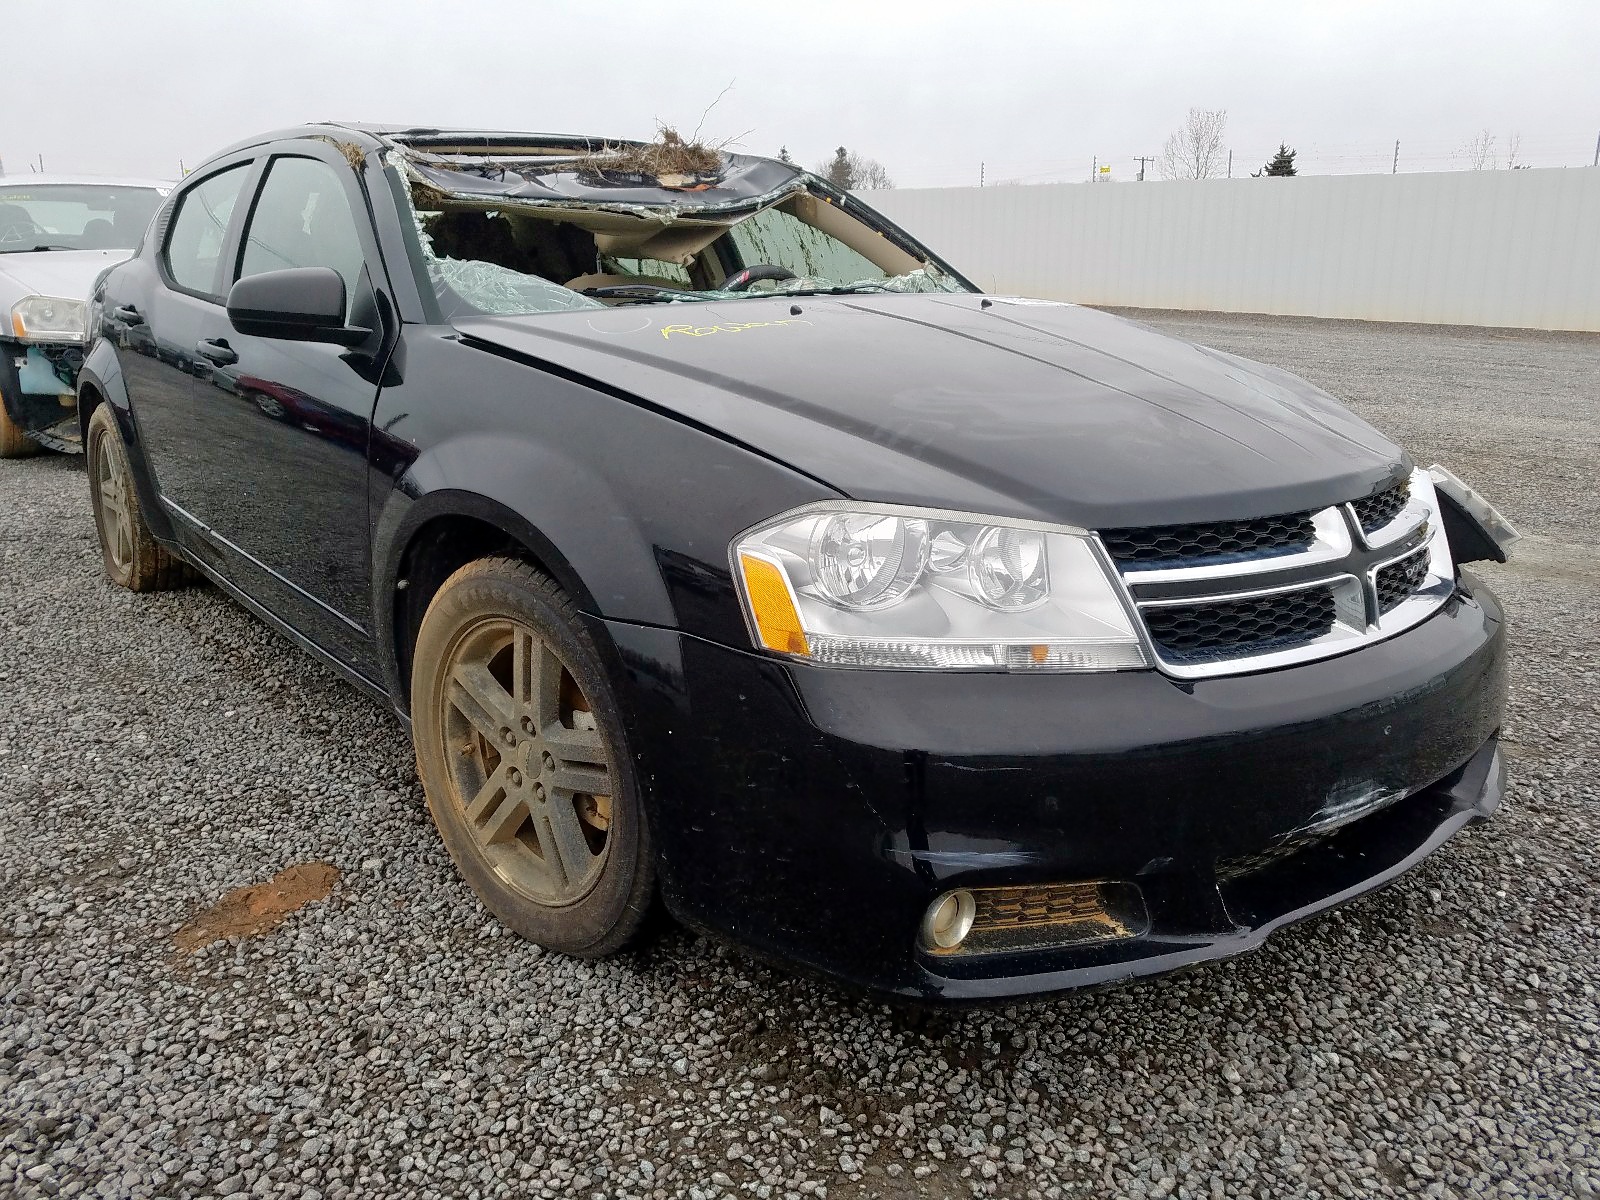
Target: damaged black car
(723, 548)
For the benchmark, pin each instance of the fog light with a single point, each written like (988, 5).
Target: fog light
(949, 920)
(1010, 920)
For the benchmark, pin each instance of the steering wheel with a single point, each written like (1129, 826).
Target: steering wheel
(740, 281)
(21, 232)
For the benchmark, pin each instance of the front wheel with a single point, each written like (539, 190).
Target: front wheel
(129, 551)
(522, 756)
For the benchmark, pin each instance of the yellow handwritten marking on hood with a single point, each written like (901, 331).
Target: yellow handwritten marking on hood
(727, 327)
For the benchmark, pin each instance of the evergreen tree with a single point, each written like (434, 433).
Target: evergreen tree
(841, 171)
(783, 155)
(852, 172)
(1281, 163)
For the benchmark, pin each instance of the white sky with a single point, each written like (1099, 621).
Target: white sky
(1036, 90)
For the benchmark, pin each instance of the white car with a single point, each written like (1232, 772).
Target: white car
(57, 233)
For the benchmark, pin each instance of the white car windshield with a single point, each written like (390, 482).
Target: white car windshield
(73, 216)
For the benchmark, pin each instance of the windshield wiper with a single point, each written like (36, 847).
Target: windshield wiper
(36, 249)
(642, 292)
(648, 292)
(848, 289)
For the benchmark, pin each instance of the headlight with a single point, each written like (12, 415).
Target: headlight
(49, 319)
(867, 585)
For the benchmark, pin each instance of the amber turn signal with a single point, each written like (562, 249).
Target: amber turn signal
(772, 606)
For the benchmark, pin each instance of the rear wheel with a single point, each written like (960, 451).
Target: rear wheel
(129, 551)
(521, 753)
(13, 442)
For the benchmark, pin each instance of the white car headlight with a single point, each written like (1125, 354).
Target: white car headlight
(49, 319)
(870, 585)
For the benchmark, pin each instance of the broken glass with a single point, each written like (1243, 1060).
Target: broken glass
(500, 290)
(528, 237)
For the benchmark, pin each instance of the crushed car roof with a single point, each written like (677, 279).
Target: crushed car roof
(470, 166)
(536, 169)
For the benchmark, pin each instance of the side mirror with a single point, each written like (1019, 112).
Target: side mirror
(299, 304)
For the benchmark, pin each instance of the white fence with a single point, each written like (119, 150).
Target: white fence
(1509, 248)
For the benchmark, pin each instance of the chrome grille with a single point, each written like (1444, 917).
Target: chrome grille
(1378, 509)
(1278, 620)
(1221, 598)
(1043, 905)
(1400, 579)
(1174, 545)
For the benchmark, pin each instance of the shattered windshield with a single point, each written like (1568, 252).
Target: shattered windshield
(773, 251)
(59, 216)
(519, 239)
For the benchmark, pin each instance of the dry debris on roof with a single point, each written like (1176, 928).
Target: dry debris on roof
(353, 154)
(669, 160)
(609, 185)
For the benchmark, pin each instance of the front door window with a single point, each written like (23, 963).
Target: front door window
(302, 219)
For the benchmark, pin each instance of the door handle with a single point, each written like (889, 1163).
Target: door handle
(216, 350)
(127, 313)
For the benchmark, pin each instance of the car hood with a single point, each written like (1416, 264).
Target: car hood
(1011, 407)
(69, 273)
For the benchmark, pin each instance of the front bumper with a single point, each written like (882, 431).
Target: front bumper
(812, 814)
(37, 390)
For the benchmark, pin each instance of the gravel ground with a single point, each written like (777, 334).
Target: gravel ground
(1437, 1039)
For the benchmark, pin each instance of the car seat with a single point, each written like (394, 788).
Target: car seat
(98, 234)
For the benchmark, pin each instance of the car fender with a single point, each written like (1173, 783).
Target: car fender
(585, 537)
(100, 381)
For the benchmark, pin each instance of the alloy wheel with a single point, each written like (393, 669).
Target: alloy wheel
(114, 513)
(526, 764)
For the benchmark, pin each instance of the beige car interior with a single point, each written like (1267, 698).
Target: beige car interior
(583, 248)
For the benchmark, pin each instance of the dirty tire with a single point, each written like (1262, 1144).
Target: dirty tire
(517, 731)
(129, 552)
(13, 442)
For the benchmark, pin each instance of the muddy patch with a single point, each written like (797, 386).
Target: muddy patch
(258, 908)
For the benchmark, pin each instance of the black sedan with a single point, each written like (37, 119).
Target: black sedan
(723, 547)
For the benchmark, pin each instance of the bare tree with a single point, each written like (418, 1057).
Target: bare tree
(870, 174)
(1195, 151)
(854, 172)
(1514, 152)
(1479, 153)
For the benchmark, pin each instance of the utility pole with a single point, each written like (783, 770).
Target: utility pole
(1141, 160)
(1094, 169)
(1394, 167)
(1230, 164)
(980, 173)
(1597, 149)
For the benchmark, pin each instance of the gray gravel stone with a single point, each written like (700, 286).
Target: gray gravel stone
(1437, 1039)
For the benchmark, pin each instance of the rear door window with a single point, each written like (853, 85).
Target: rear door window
(194, 245)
